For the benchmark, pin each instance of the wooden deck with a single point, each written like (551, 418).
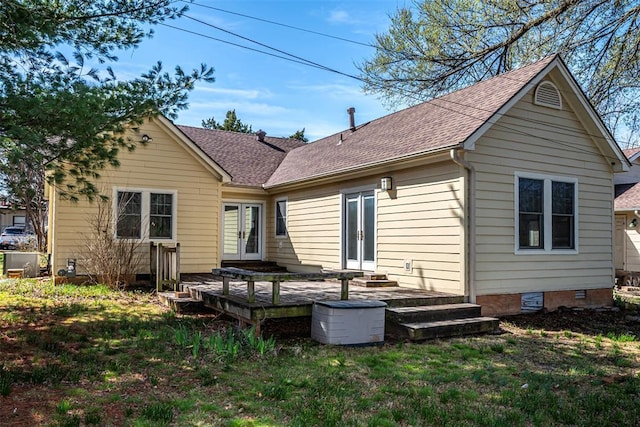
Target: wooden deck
(297, 298)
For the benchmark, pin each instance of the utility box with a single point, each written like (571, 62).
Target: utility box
(348, 322)
(27, 261)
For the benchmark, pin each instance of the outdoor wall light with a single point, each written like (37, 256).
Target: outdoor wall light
(146, 138)
(634, 223)
(386, 183)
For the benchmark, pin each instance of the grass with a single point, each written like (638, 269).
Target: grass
(91, 356)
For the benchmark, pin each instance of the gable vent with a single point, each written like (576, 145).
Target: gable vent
(548, 95)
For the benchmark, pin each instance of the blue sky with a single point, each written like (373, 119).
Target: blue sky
(269, 93)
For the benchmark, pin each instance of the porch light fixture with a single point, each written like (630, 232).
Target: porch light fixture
(634, 223)
(146, 138)
(386, 183)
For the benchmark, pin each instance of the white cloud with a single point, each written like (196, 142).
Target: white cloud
(236, 93)
(338, 17)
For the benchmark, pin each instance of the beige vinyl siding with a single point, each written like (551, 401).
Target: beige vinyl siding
(164, 164)
(313, 230)
(420, 220)
(545, 141)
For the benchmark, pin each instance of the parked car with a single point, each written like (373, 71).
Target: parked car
(14, 237)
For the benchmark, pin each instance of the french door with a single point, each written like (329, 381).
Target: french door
(360, 231)
(242, 231)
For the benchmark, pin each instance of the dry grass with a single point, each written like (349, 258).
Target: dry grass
(93, 356)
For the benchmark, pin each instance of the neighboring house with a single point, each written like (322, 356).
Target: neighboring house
(627, 216)
(501, 192)
(10, 216)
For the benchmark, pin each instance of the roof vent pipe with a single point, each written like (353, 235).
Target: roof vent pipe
(260, 135)
(352, 118)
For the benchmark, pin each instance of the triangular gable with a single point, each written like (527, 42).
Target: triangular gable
(582, 107)
(192, 148)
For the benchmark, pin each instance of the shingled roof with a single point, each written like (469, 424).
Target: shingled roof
(249, 162)
(442, 123)
(627, 195)
(631, 152)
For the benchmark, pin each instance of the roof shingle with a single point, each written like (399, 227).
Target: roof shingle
(627, 197)
(248, 161)
(438, 124)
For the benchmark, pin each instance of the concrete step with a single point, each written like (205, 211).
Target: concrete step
(181, 302)
(432, 313)
(446, 328)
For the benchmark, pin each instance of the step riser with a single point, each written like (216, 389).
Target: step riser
(180, 303)
(477, 327)
(415, 302)
(434, 315)
(374, 283)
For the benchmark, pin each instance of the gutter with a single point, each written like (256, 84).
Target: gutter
(470, 285)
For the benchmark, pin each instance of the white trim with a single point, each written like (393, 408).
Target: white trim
(547, 214)
(241, 255)
(343, 206)
(359, 189)
(286, 218)
(145, 212)
(359, 192)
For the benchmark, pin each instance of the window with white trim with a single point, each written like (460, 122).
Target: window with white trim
(546, 213)
(281, 218)
(145, 214)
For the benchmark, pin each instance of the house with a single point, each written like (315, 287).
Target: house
(11, 216)
(627, 211)
(501, 192)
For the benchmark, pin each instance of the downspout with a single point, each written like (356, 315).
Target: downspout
(471, 223)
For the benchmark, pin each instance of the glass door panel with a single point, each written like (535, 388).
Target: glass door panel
(242, 231)
(251, 233)
(360, 231)
(230, 232)
(369, 232)
(352, 233)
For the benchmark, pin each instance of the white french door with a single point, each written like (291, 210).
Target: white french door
(242, 231)
(360, 231)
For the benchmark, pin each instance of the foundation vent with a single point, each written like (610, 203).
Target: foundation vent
(548, 95)
(531, 302)
(581, 294)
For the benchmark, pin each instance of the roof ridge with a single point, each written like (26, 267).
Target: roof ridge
(235, 132)
(548, 59)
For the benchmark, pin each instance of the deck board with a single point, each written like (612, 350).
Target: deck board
(297, 293)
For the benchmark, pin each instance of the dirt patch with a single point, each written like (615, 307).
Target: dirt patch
(585, 321)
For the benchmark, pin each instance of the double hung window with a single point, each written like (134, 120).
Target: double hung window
(145, 214)
(546, 213)
(281, 218)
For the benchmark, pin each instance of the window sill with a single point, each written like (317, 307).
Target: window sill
(546, 252)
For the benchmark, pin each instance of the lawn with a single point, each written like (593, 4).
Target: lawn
(85, 356)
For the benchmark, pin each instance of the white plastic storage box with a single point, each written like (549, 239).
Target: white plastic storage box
(348, 322)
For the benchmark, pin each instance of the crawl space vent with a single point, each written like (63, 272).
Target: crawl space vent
(548, 95)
